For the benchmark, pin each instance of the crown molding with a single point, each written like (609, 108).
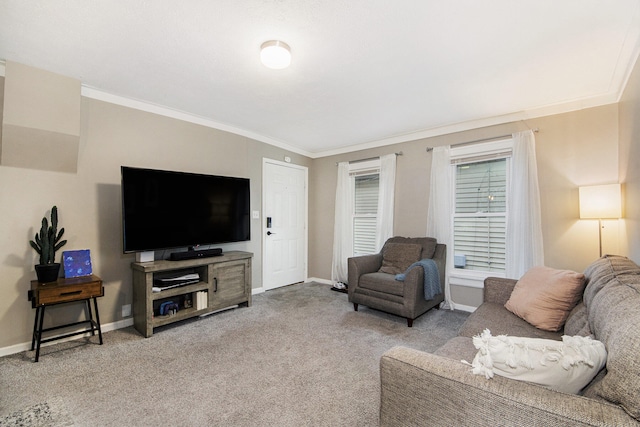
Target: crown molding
(565, 107)
(100, 95)
(612, 97)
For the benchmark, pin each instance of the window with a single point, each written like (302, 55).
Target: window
(365, 185)
(364, 210)
(365, 213)
(480, 206)
(479, 219)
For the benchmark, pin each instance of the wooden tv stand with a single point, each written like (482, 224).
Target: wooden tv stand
(226, 279)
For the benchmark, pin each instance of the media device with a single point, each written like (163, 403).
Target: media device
(167, 209)
(202, 253)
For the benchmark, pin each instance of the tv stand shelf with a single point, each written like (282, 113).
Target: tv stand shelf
(225, 278)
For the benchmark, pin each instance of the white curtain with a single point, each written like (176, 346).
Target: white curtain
(439, 209)
(524, 230)
(386, 196)
(342, 230)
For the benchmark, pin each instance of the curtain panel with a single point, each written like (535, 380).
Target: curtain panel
(524, 244)
(342, 228)
(343, 225)
(440, 209)
(386, 199)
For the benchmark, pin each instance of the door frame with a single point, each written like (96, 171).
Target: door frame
(263, 222)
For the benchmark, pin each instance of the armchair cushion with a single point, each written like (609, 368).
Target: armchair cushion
(397, 257)
(382, 282)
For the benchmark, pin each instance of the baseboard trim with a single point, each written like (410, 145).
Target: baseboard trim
(468, 308)
(17, 348)
(318, 280)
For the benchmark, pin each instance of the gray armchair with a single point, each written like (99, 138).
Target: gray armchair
(368, 286)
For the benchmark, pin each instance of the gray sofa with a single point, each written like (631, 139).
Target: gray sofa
(419, 389)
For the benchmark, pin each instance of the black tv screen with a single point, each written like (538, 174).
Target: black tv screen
(165, 209)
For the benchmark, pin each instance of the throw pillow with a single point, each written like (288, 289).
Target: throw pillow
(397, 257)
(544, 296)
(568, 365)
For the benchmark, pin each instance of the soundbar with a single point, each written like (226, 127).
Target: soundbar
(203, 253)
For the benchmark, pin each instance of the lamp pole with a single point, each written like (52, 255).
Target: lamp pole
(600, 235)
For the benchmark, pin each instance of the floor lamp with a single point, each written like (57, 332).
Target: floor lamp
(600, 202)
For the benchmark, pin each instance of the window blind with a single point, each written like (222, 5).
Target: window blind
(479, 223)
(365, 213)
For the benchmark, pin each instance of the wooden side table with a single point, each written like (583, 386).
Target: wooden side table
(62, 291)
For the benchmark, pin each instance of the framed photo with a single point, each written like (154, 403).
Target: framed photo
(77, 263)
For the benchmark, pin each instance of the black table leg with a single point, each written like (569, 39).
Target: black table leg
(39, 332)
(35, 329)
(90, 317)
(95, 303)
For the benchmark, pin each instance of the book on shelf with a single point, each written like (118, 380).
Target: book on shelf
(201, 300)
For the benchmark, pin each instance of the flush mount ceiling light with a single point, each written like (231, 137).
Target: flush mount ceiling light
(275, 54)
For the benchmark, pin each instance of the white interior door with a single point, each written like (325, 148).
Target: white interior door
(284, 224)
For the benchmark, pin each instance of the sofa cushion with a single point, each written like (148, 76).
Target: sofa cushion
(544, 296)
(601, 271)
(614, 316)
(566, 366)
(500, 321)
(458, 348)
(578, 323)
(397, 257)
(428, 244)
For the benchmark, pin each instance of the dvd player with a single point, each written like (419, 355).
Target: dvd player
(203, 253)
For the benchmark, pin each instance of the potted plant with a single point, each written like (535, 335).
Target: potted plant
(46, 243)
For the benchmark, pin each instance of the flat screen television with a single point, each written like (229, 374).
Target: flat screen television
(166, 209)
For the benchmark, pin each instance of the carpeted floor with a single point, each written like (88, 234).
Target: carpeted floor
(49, 414)
(299, 356)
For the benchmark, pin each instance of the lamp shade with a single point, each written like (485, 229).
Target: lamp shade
(600, 201)
(275, 54)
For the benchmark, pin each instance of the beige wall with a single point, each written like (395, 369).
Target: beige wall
(89, 201)
(573, 149)
(630, 162)
(41, 119)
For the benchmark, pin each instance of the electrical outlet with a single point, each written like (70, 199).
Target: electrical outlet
(256, 214)
(126, 310)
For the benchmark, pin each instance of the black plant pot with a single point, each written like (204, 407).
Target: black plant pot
(47, 272)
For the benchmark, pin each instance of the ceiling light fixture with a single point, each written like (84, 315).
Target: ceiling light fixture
(275, 54)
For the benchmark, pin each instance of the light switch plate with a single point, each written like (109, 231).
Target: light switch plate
(256, 214)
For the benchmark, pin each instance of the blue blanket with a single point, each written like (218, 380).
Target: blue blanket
(431, 277)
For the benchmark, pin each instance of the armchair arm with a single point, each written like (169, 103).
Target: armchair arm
(440, 258)
(419, 388)
(498, 290)
(357, 266)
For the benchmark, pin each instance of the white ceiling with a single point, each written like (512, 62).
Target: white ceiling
(364, 72)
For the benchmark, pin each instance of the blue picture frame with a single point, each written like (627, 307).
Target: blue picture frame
(77, 263)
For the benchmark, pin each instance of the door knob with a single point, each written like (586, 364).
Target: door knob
(269, 233)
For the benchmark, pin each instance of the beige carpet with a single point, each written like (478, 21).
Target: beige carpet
(49, 414)
(299, 356)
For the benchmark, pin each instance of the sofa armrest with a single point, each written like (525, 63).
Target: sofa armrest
(419, 388)
(498, 290)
